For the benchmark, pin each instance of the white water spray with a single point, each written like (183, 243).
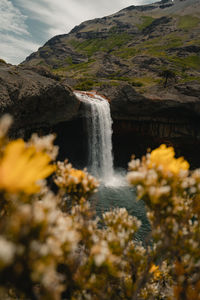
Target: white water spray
(99, 126)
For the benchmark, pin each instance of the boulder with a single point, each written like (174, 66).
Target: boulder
(34, 100)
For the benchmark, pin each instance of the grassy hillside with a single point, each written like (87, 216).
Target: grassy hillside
(135, 45)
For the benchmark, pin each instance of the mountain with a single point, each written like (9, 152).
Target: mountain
(146, 61)
(154, 45)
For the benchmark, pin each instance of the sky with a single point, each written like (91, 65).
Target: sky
(25, 25)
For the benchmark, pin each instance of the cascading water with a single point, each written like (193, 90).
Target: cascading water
(113, 190)
(99, 126)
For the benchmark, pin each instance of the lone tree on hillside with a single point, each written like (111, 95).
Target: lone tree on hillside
(168, 74)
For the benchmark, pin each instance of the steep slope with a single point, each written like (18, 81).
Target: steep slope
(146, 60)
(145, 46)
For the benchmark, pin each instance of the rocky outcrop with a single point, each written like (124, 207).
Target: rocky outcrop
(35, 101)
(178, 102)
(146, 121)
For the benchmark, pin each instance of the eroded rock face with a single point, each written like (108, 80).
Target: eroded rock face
(146, 121)
(132, 137)
(179, 102)
(35, 101)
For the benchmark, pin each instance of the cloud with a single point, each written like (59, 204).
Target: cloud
(15, 49)
(62, 16)
(25, 24)
(12, 20)
(15, 38)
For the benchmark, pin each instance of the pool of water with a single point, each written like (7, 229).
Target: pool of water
(121, 195)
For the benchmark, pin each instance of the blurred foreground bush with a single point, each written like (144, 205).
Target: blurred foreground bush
(52, 246)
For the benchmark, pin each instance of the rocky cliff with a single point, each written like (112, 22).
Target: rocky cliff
(35, 100)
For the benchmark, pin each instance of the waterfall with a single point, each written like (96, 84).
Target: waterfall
(114, 190)
(99, 127)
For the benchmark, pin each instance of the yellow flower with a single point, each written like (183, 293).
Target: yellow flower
(21, 167)
(78, 174)
(156, 272)
(164, 156)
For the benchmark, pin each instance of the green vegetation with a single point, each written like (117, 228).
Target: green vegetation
(187, 78)
(76, 67)
(41, 62)
(85, 84)
(113, 83)
(191, 61)
(92, 46)
(126, 52)
(89, 83)
(129, 80)
(118, 45)
(171, 41)
(188, 22)
(81, 67)
(168, 75)
(144, 81)
(158, 46)
(116, 76)
(194, 42)
(68, 60)
(46, 51)
(146, 21)
(155, 47)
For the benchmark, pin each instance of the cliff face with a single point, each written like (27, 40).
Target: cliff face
(35, 101)
(142, 122)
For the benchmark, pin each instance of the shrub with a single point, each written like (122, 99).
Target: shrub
(171, 193)
(52, 245)
(85, 84)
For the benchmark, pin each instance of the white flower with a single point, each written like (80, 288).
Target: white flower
(7, 251)
(101, 252)
(5, 123)
(134, 177)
